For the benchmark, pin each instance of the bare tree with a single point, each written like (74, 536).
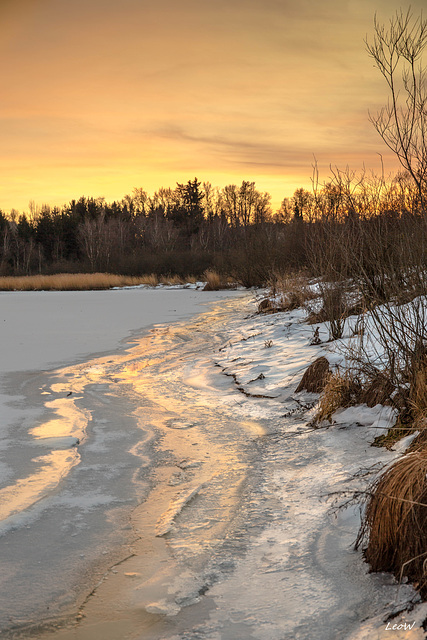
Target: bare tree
(402, 124)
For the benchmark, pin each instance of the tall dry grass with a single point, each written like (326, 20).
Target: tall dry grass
(316, 377)
(395, 521)
(290, 290)
(216, 281)
(90, 281)
(341, 390)
(73, 282)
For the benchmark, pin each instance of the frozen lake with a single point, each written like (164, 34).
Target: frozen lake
(156, 486)
(68, 448)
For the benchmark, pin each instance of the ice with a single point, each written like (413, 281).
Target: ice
(404, 443)
(406, 626)
(219, 510)
(163, 607)
(74, 458)
(165, 522)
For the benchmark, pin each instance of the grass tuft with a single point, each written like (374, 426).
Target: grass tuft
(290, 291)
(395, 521)
(341, 390)
(215, 281)
(315, 377)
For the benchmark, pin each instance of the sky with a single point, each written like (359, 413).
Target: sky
(101, 96)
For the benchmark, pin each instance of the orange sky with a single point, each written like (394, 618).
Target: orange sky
(101, 96)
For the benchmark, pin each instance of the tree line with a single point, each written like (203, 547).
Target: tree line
(197, 226)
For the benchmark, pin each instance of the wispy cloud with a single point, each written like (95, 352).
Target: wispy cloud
(104, 95)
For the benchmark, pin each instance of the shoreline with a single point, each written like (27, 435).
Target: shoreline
(124, 350)
(233, 536)
(114, 609)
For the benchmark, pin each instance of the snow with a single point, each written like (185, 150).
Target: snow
(347, 451)
(236, 486)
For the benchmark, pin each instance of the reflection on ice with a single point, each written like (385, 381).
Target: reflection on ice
(219, 496)
(78, 464)
(27, 491)
(71, 421)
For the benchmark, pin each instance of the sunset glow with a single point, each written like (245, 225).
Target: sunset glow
(100, 96)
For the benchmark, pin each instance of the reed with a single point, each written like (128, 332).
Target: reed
(215, 281)
(72, 282)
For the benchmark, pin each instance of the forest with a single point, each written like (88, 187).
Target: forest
(233, 230)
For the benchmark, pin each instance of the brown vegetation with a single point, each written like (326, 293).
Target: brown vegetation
(341, 390)
(395, 521)
(215, 281)
(81, 281)
(292, 289)
(287, 291)
(268, 306)
(315, 377)
(377, 391)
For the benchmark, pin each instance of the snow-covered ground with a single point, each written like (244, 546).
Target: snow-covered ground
(182, 474)
(267, 357)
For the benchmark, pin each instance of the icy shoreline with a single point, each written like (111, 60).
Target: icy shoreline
(56, 430)
(254, 359)
(234, 516)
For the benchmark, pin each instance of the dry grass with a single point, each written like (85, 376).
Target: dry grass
(315, 377)
(171, 279)
(316, 317)
(268, 306)
(67, 282)
(337, 305)
(83, 281)
(418, 396)
(412, 407)
(291, 290)
(215, 281)
(341, 390)
(90, 281)
(378, 390)
(152, 280)
(395, 521)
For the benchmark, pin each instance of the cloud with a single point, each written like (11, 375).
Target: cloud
(155, 89)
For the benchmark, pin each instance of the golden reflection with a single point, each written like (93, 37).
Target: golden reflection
(53, 429)
(27, 491)
(254, 427)
(71, 421)
(133, 368)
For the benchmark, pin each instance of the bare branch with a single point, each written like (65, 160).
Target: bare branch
(402, 124)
